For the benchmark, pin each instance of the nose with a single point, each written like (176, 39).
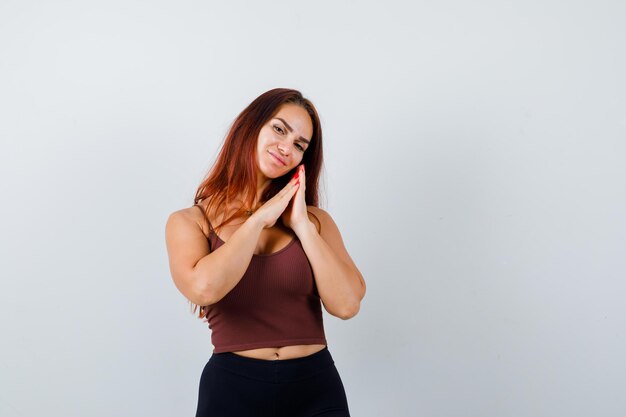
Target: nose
(282, 148)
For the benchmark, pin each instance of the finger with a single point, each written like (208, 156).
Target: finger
(300, 192)
(287, 187)
(294, 189)
(301, 176)
(292, 182)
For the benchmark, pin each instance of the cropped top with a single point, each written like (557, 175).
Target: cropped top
(275, 303)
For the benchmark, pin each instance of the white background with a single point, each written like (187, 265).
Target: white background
(474, 165)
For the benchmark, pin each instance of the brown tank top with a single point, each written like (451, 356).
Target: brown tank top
(275, 303)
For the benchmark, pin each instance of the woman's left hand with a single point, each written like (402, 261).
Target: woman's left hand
(295, 215)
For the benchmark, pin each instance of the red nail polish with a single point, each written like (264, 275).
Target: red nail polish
(296, 174)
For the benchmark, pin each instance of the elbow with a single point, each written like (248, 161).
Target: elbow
(201, 299)
(363, 287)
(204, 296)
(205, 289)
(349, 312)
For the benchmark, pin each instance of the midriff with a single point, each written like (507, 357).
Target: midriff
(283, 352)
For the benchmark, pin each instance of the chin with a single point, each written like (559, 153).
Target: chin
(272, 175)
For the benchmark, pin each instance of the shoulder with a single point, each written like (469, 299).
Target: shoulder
(322, 220)
(316, 216)
(189, 216)
(190, 213)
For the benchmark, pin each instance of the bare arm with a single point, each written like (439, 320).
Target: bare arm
(339, 282)
(205, 277)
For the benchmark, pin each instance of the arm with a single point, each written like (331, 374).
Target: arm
(339, 282)
(205, 277)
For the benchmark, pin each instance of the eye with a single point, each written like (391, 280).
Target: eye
(276, 127)
(300, 147)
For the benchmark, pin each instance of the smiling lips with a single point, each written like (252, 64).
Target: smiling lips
(277, 158)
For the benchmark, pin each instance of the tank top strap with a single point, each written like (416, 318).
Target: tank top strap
(206, 218)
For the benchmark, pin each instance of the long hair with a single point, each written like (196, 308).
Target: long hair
(234, 172)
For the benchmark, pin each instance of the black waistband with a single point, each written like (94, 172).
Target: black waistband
(278, 370)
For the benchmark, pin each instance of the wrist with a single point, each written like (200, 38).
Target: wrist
(305, 229)
(255, 221)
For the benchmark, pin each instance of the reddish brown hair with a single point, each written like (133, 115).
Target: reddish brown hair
(234, 172)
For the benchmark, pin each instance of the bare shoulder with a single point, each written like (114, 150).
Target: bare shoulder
(191, 215)
(314, 215)
(188, 220)
(186, 245)
(325, 224)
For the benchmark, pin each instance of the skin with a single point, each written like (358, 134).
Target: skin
(276, 138)
(339, 281)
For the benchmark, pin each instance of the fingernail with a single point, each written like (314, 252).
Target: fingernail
(296, 174)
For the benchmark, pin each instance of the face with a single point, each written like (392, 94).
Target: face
(283, 140)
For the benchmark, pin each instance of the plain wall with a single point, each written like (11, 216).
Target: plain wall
(474, 165)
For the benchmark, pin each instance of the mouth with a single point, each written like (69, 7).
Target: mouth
(277, 158)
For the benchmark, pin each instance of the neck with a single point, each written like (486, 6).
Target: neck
(261, 183)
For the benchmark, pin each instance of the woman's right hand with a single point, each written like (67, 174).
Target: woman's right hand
(272, 209)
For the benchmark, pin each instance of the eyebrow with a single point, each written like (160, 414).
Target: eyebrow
(291, 130)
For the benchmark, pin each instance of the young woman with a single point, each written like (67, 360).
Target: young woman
(259, 258)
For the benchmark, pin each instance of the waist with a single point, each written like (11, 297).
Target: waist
(269, 370)
(282, 352)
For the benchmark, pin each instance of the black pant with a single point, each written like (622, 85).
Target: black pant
(237, 386)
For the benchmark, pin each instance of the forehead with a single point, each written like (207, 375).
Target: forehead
(297, 118)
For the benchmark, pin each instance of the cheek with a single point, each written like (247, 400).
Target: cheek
(264, 135)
